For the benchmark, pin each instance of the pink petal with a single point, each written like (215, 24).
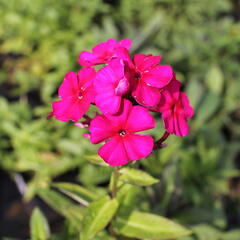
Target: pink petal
(87, 59)
(122, 87)
(146, 95)
(126, 43)
(168, 120)
(175, 123)
(89, 94)
(123, 53)
(101, 129)
(139, 119)
(113, 152)
(107, 75)
(119, 120)
(166, 101)
(169, 95)
(173, 88)
(69, 87)
(117, 68)
(117, 71)
(108, 91)
(102, 52)
(104, 84)
(159, 76)
(105, 46)
(180, 126)
(86, 77)
(107, 101)
(188, 110)
(70, 109)
(145, 62)
(138, 146)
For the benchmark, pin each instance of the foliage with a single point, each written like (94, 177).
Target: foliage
(38, 43)
(39, 226)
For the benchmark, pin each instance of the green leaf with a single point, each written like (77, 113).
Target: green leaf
(39, 226)
(187, 238)
(136, 177)
(204, 231)
(76, 192)
(231, 235)
(96, 159)
(63, 206)
(98, 215)
(194, 90)
(215, 79)
(148, 226)
(38, 181)
(124, 191)
(208, 107)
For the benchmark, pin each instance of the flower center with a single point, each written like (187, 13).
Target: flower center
(122, 132)
(137, 75)
(80, 95)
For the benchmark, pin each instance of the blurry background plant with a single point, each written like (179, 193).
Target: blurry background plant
(199, 175)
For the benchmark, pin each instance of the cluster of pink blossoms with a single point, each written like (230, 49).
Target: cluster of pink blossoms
(125, 90)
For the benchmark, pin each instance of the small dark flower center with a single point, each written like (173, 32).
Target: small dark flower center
(137, 75)
(80, 95)
(122, 132)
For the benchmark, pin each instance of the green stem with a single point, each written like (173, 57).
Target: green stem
(113, 187)
(114, 181)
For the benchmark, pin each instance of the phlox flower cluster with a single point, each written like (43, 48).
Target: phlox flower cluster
(126, 90)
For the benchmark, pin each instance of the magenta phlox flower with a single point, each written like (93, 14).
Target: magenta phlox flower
(123, 144)
(125, 90)
(76, 93)
(149, 77)
(103, 52)
(175, 109)
(123, 54)
(111, 84)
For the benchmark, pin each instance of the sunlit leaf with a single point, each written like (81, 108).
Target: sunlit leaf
(136, 177)
(96, 159)
(148, 226)
(215, 79)
(76, 192)
(63, 206)
(204, 231)
(208, 107)
(231, 235)
(97, 216)
(39, 226)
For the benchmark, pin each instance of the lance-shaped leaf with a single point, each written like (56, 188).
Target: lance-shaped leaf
(204, 231)
(148, 226)
(208, 107)
(39, 226)
(231, 235)
(96, 159)
(136, 177)
(76, 192)
(97, 216)
(215, 79)
(62, 205)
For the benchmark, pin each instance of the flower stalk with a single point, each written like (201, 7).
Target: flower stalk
(159, 143)
(114, 181)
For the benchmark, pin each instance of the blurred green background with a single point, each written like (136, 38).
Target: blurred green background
(199, 175)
